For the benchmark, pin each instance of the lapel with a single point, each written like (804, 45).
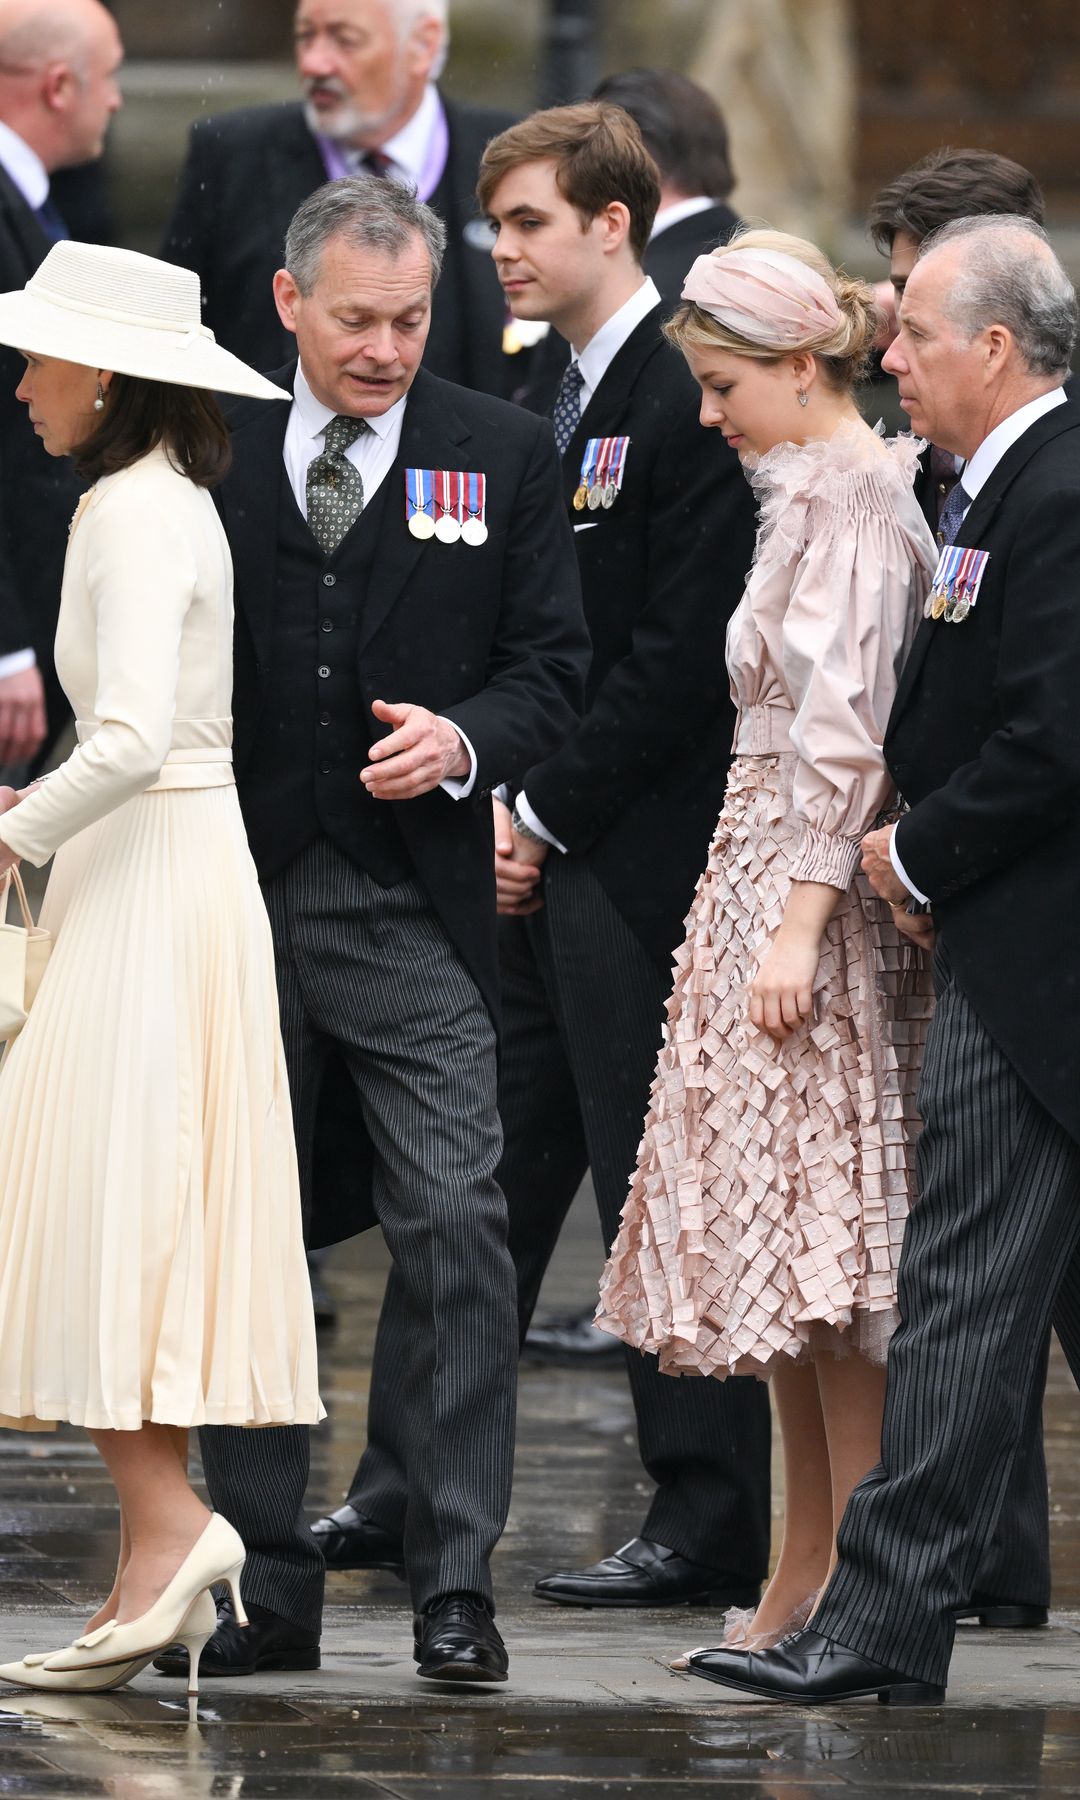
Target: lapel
(251, 496)
(606, 411)
(432, 435)
(27, 236)
(295, 166)
(980, 517)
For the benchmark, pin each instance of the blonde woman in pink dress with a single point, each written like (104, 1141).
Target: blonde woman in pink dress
(762, 1232)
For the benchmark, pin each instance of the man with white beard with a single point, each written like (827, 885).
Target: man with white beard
(368, 71)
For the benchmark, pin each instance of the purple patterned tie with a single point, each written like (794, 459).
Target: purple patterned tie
(952, 514)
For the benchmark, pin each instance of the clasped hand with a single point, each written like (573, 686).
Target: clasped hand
(420, 752)
(886, 883)
(518, 862)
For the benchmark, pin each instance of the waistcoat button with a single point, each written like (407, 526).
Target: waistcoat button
(329, 580)
(323, 671)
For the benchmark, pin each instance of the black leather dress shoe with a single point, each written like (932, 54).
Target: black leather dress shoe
(268, 1642)
(570, 1338)
(1002, 1615)
(811, 1670)
(644, 1573)
(455, 1639)
(350, 1541)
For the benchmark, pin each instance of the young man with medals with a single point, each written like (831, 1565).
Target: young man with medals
(603, 839)
(408, 635)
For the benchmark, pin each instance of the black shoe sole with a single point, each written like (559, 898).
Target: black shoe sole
(1006, 1618)
(460, 1672)
(897, 1693)
(350, 1566)
(284, 1661)
(707, 1597)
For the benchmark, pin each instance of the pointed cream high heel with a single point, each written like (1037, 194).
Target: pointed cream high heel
(217, 1556)
(37, 1671)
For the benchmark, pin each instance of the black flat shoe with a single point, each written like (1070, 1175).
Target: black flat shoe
(1002, 1615)
(644, 1573)
(811, 1670)
(268, 1642)
(455, 1639)
(350, 1541)
(570, 1339)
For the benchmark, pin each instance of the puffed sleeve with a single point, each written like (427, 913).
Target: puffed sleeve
(846, 632)
(141, 576)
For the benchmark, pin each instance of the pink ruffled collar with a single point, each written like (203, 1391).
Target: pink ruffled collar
(856, 466)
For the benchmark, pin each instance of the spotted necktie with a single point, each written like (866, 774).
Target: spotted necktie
(952, 514)
(335, 491)
(566, 413)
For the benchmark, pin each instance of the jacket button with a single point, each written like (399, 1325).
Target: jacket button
(324, 718)
(324, 671)
(325, 769)
(327, 625)
(329, 580)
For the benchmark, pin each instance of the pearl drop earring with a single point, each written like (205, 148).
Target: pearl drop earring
(99, 403)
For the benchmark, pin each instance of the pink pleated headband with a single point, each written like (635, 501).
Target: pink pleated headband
(764, 296)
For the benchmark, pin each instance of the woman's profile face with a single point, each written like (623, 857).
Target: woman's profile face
(60, 396)
(755, 404)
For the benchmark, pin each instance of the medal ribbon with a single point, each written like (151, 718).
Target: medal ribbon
(476, 496)
(419, 491)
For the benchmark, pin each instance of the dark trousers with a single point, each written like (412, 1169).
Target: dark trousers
(370, 970)
(583, 1006)
(990, 1254)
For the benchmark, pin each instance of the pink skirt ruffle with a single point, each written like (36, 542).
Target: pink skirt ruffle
(767, 1210)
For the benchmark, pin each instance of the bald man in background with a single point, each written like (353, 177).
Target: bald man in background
(59, 61)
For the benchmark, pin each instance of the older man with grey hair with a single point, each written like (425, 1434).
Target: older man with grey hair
(409, 635)
(370, 104)
(984, 746)
(58, 90)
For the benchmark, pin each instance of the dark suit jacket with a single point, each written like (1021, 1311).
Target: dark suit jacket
(38, 493)
(984, 745)
(636, 788)
(669, 256)
(492, 637)
(245, 175)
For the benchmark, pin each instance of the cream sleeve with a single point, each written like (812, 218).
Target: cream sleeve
(140, 576)
(846, 632)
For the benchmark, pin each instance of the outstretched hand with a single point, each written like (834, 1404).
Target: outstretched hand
(421, 751)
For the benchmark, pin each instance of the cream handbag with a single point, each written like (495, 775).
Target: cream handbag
(24, 951)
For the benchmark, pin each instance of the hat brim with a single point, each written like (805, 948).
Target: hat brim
(29, 322)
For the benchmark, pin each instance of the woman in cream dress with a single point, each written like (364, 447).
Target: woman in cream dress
(763, 1229)
(152, 1273)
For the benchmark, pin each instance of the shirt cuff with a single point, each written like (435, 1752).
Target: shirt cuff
(16, 663)
(538, 825)
(826, 857)
(894, 858)
(459, 787)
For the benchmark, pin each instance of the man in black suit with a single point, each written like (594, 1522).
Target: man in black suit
(599, 857)
(367, 69)
(404, 579)
(983, 745)
(58, 91)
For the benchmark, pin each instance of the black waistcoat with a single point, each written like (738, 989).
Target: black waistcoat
(302, 778)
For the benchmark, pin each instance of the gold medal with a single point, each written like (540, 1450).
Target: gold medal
(422, 526)
(938, 609)
(581, 498)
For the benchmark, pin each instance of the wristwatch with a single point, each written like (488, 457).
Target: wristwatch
(526, 831)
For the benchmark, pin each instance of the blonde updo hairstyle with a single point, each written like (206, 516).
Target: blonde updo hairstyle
(843, 353)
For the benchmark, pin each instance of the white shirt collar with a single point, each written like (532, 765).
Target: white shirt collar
(315, 417)
(977, 472)
(408, 149)
(604, 346)
(678, 210)
(25, 167)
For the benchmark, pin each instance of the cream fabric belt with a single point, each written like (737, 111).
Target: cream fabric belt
(764, 731)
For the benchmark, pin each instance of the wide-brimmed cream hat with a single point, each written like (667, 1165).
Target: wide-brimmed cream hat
(115, 309)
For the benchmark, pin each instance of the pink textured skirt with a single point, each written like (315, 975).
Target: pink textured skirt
(767, 1210)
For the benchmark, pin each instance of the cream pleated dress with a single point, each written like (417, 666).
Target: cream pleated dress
(151, 1257)
(766, 1214)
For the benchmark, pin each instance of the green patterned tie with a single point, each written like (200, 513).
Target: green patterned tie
(335, 491)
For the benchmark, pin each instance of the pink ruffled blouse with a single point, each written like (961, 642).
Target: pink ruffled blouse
(843, 564)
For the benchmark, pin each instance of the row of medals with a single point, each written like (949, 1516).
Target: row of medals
(595, 497)
(447, 529)
(940, 606)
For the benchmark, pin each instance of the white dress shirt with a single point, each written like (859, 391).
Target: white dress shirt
(974, 476)
(594, 361)
(679, 210)
(409, 152)
(373, 455)
(31, 177)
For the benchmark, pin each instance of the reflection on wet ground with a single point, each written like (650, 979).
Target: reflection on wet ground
(592, 1708)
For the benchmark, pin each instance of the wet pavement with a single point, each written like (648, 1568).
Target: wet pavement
(591, 1708)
